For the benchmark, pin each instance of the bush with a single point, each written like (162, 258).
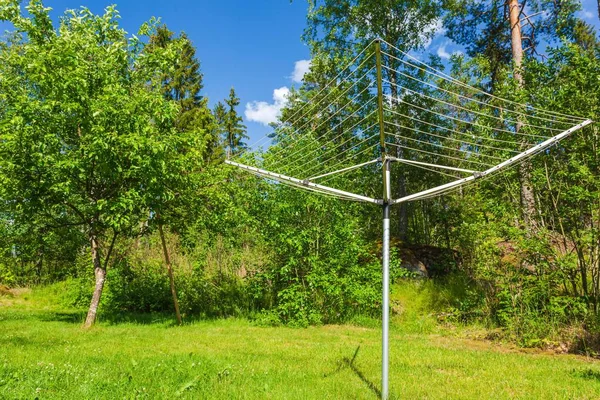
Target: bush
(7, 276)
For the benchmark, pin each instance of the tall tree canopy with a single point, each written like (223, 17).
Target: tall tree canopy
(483, 28)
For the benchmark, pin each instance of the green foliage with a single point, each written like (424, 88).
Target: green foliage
(333, 26)
(322, 270)
(88, 139)
(64, 128)
(139, 283)
(7, 277)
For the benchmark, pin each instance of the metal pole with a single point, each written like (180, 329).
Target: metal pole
(385, 323)
(380, 113)
(387, 197)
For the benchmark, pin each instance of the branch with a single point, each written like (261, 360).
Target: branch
(110, 249)
(77, 211)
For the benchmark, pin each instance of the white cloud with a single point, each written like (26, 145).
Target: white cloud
(266, 113)
(587, 14)
(442, 52)
(301, 67)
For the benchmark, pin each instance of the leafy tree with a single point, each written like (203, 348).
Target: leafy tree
(507, 35)
(484, 29)
(571, 178)
(337, 25)
(85, 132)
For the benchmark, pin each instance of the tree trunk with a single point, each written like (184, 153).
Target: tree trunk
(100, 274)
(170, 272)
(528, 207)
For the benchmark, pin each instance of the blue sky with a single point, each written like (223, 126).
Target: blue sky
(254, 46)
(250, 45)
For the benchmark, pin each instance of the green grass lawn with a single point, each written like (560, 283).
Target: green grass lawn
(45, 354)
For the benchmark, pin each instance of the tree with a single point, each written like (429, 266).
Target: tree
(184, 82)
(508, 27)
(232, 128)
(85, 132)
(528, 206)
(585, 36)
(463, 23)
(484, 28)
(196, 126)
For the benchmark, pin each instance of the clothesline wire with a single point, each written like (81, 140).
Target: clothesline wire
(458, 82)
(441, 146)
(471, 135)
(291, 145)
(470, 111)
(473, 99)
(463, 121)
(335, 166)
(460, 160)
(309, 172)
(299, 136)
(309, 104)
(451, 138)
(327, 151)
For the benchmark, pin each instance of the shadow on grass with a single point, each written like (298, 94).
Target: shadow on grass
(151, 318)
(349, 363)
(74, 317)
(588, 373)
(44, 316)
(118, 317)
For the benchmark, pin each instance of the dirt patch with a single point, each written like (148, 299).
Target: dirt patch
(5, 291)
(18, 292)
(12, 296)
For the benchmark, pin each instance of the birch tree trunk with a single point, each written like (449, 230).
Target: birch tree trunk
(100, 274)
(528, 207)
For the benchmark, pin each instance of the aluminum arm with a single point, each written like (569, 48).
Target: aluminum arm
(303, 183)
(511, 161)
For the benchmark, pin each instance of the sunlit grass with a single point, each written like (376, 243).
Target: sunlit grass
(44, 353)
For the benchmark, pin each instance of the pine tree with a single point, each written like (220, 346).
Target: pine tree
(185, 84)
(232, 128)
(220, 114)
(585, 36)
